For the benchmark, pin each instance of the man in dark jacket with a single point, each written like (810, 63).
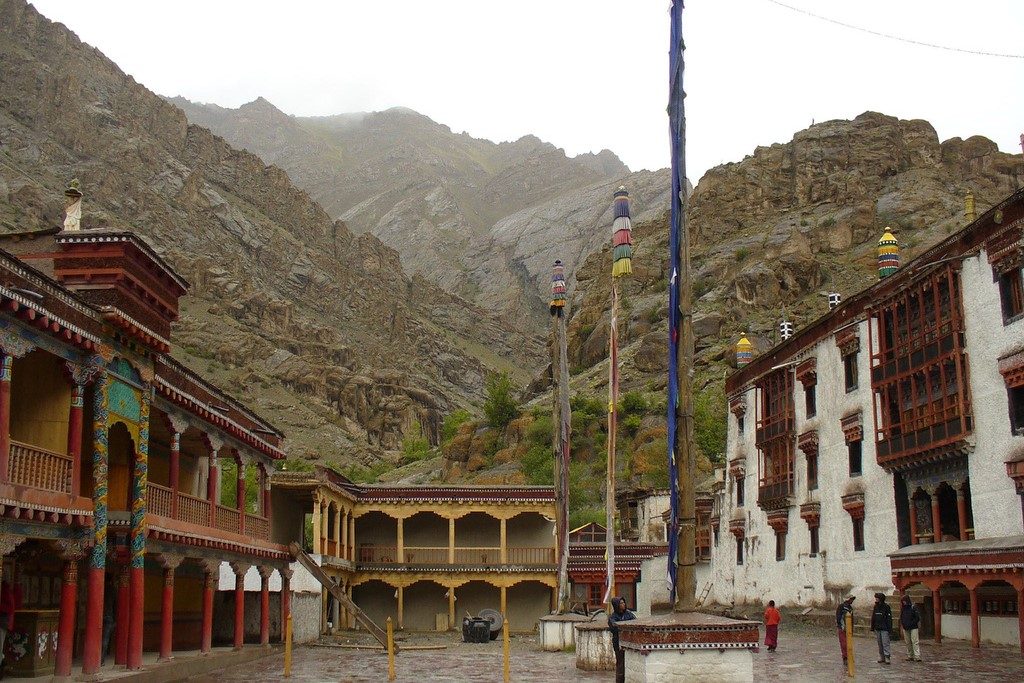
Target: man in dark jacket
(881, 624)
(619, 613)
(910, 620)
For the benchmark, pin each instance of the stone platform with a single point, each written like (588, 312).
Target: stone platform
(689, 646)
(557, 631)
(594, 646)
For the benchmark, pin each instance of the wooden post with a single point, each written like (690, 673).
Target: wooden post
(211, 573)
(451, 610)
(401, 607)
(343, 550)
(288, 646)
(961, 513)
(504, 540)
(175, 470)
(316, 528)
(936, 517)
(6, 363)
(975, 614)
(451, 540)
(75, 426)
(506, 645)
(240, 493)
(168, 563)
(851, 670)
(400, 548)
(391, 651)
(68, 606)
(937, 612)
(265, 605)
(337, 531)
(913, 517)
(504, 601)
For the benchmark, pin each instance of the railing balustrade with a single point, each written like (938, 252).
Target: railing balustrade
(193, 510)
(426, 555)
(531, 555)
(39, 468)
(331, 550)
(257, 527)
(227, 519)
(438, 555)
(158, 499)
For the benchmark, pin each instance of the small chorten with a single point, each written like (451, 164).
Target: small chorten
(888, 254)
(744, 351)
(73, 205)
(969, 210)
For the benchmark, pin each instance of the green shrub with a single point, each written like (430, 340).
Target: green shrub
(538, 466)
(742, 253)
(452, 422)
(633, 403)
(631, 424)
(709, 423)
(415, 446)
(500, 406)
(540, 431)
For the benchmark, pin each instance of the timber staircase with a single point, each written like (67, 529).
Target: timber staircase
(703, 594)
(332, 587)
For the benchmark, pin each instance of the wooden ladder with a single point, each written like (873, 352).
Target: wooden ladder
(704, 594)
(332, 587)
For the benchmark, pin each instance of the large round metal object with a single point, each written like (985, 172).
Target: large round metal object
(497, 621)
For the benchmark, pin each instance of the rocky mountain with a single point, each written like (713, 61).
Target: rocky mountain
(317, 327)
(484, 220)
(778, 230)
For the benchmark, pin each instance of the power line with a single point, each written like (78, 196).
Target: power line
(894, 37)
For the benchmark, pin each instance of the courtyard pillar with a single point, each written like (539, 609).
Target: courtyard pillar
(400, 550)
(1020, 615)
(168, 563)
(504, 600)
(316, 528)
(961, 513)
(265, 605)
(211, 574)
(75, 424)
(240, 571)
(68, 604)
(286, 599)
(93, 636)
(212, 485)
(936, 517)
(913, 520)
(337, 532)
(975, 630)
(352, 537)
(343, 550)
(451, 607)
(401, 607)
(504, 541)
(240, 493)
(451, 542)
(6, 363)
(937, 611)
(175, 470)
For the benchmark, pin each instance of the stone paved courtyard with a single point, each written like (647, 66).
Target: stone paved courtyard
(806, 653)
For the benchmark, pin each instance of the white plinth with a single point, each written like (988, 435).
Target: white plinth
(557, 632)
(677, 666)
(594, 647)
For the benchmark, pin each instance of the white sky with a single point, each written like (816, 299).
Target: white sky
(582, 74)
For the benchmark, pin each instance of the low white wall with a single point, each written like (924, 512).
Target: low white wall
(594, 648)
(677, 666)
(305, 617)
(558, 633)
(998, 630)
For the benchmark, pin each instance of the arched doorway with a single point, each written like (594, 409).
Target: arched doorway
(422, 602)
(474, 596)
(526, 603)
(378, 600)
(121, 463)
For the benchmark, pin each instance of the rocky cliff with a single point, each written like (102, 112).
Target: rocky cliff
(319, 328)
(484, 220)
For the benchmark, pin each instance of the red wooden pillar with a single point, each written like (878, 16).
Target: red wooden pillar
(936, 518)
(286, 601)
(961, 513)
(1020, 616)
(913, 520)
(68, 605)
(937, 612)
(240, 570)
(240, 493)
(175, 469)
(210, 575)
(169, 563)
(6, 361)
(75, 438)
(92, 645)
(265, 605)
(975, 626)
(123, 616)
(211, 488)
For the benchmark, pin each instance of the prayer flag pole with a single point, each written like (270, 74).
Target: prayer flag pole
(562, 421)
(622, 255)
(681, 462)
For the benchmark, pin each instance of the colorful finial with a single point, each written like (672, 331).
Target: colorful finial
(888, 254)
(622, 235)
(969, 212)
(744, 351)
(557, 289)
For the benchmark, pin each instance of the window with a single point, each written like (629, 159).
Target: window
(850, 371)
(812, 472)
(1016, 395)
(854, 448)
(739, 551)
(596, 593)
(814, 540)
(739, 424)
(858, 533)
(1011, 295)
(739, 491)
(810, 400)
(780, 546)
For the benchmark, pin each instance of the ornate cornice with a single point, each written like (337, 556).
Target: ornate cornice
(853, 503)
(808, 443)
(852, 427)
(848, 340)
(811, 513)
(807, 372)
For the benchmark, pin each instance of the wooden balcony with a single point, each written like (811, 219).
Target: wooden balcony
(39, 468)
(438, 555)
(331, 549)
(196, 511)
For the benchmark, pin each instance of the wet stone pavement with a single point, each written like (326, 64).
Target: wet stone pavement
(806, 653)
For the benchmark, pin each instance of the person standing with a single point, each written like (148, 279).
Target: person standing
(910, 620)
(881, 624)
(619, 613)
(845, 607)
(771, 626)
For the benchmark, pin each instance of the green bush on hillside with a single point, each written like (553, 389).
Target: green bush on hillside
(452, 422)
(500, 406)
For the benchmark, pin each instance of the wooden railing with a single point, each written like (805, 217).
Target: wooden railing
(531, 555)
(257, 527)
(378, 553)
(39, 468)
(193, 510)
(158, 499)
(388, 554)
(477, 555)
(227, 519)
(425, 555)
(330, 548)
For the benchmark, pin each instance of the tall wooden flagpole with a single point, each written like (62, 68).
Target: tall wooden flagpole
(682, 465)
(562, 419)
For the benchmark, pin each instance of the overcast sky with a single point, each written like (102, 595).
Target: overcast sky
(582, 74)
